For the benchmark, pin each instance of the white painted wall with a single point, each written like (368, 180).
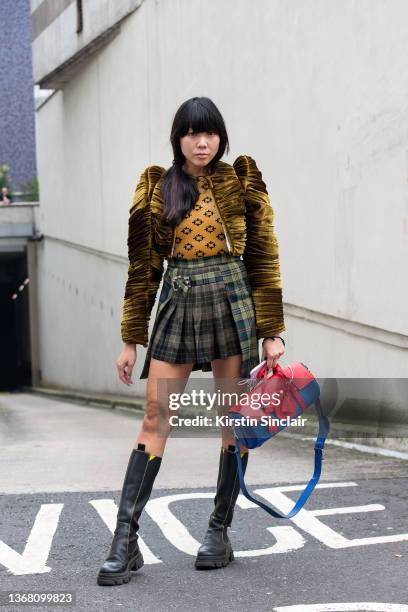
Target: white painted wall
(58, 42)
(316, 92)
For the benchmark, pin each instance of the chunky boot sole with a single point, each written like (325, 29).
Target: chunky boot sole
(112, 579)
(207, 562)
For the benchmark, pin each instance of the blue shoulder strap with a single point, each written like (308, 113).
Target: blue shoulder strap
(324, 429)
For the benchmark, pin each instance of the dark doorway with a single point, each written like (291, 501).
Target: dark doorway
(15, 360)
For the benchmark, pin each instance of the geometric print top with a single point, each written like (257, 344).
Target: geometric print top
(200, 233)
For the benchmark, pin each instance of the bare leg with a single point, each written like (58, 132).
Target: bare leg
(226, 369)
(156, 410)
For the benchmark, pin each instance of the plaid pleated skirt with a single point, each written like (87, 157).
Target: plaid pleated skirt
(205, 311)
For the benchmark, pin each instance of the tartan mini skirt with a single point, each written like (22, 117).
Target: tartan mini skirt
(205, 311)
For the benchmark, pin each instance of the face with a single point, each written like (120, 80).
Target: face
(199, 148)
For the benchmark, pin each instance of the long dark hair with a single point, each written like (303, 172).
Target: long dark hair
(179, 189)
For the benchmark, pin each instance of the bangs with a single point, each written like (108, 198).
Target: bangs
(200, 119)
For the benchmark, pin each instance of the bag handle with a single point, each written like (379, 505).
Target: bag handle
(324, 428)
(263, 372)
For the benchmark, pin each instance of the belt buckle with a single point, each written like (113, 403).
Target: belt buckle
(184, 283)
(173, 281)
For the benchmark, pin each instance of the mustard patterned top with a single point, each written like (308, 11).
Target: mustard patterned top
(200, 233)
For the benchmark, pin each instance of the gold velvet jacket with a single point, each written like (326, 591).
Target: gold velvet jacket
(247, 217)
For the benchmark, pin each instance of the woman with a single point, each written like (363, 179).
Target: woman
(213, 223)
(5, 196)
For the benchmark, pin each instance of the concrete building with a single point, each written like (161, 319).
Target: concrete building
(316, 92)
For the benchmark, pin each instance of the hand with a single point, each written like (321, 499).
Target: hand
(272, 350)
(125, 363)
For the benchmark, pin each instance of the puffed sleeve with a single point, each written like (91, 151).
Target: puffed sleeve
(261, 255)
(145, 268)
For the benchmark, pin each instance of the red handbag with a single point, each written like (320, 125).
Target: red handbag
(287, 394)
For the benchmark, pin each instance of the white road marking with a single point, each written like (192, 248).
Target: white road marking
(364, 448)
(348, 510)
(173, 529)
(367, 606)
(107, 510)
(177, 534)
(33, 559)
(306, 519)
(287, 540)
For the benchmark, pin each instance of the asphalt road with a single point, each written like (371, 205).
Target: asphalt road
(61, 470)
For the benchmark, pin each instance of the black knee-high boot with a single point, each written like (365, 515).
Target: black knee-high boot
(216, 549)
(124, 554)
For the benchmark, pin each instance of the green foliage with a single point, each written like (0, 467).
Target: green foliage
(4, 176)
(31, 189)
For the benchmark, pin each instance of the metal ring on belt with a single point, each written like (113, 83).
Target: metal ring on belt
(179, 281)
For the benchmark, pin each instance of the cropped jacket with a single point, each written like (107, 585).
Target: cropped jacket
(247, 217)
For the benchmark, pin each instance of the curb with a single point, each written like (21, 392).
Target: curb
(106, 401)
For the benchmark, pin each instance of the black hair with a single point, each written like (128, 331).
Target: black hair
(179, 189)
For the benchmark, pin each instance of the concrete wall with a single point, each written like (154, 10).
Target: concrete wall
(314, 92)
(58, 35)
